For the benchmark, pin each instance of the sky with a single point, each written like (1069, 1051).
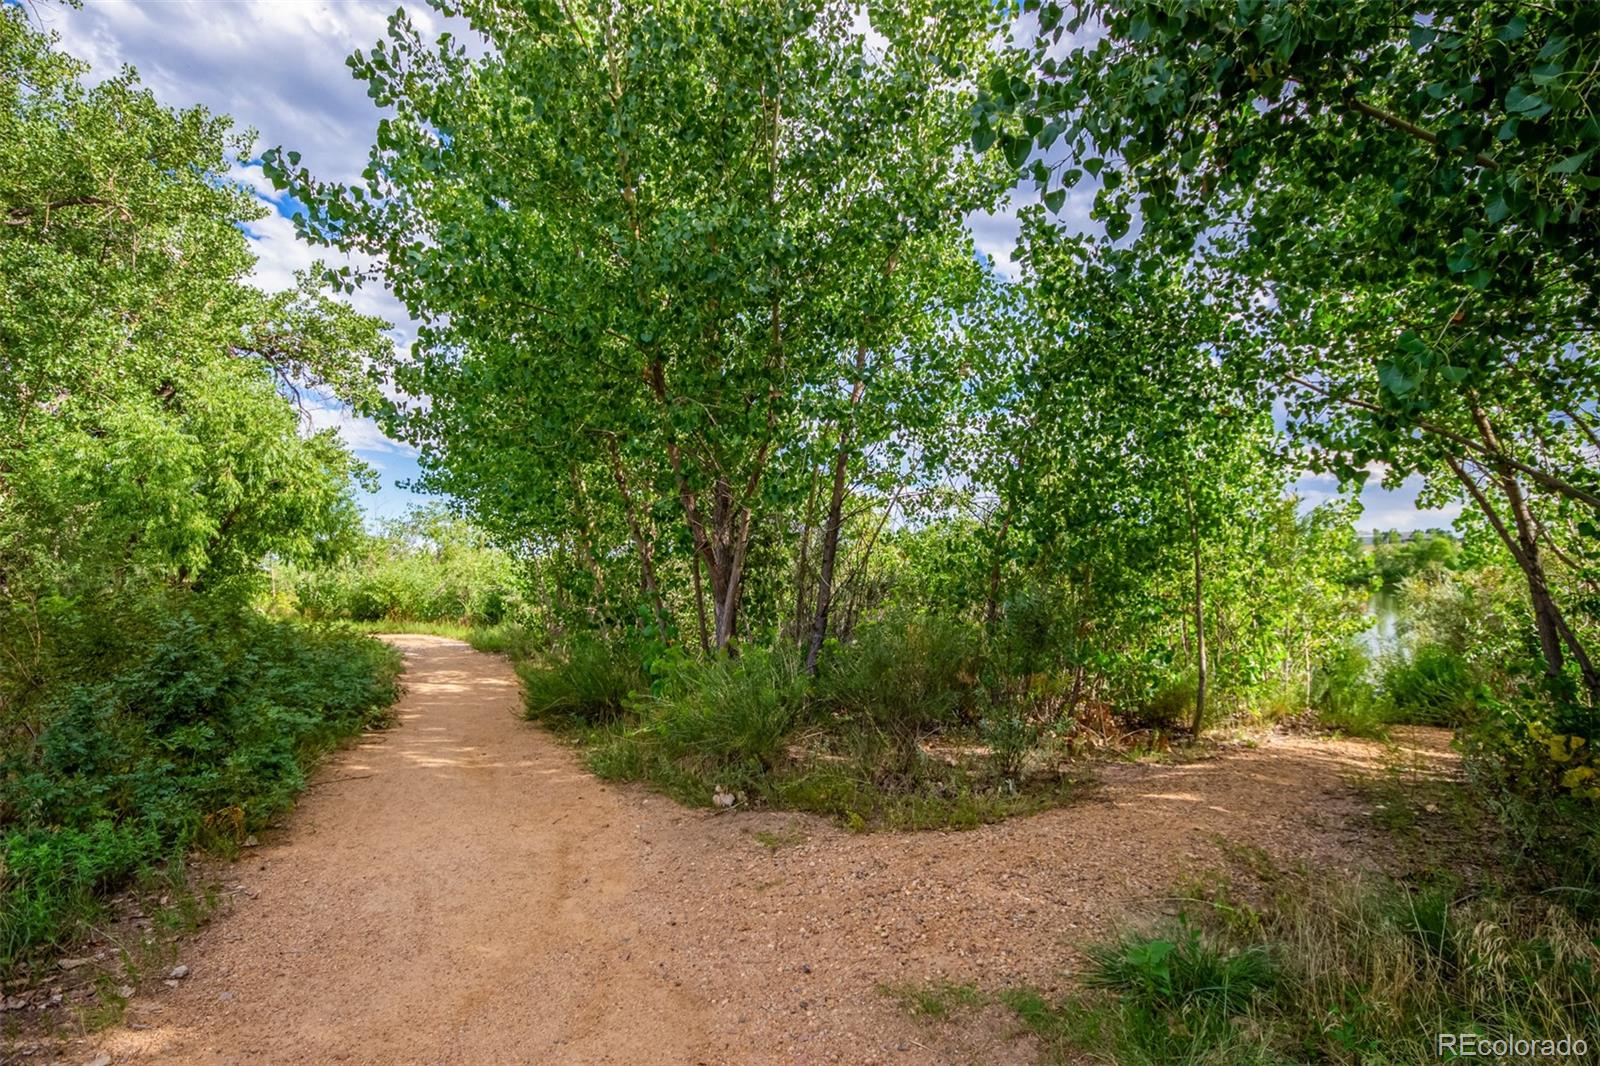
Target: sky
(278, 67)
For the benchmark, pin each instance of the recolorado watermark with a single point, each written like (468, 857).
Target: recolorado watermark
(1514, 1048)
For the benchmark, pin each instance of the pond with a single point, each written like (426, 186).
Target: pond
(1382, 634)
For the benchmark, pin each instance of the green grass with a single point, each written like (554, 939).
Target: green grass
(435, 629)
(937, 1000)
(1326, 969)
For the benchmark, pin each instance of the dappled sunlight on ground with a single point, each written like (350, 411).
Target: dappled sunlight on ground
(459, 889)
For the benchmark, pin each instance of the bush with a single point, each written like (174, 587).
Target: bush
(1010, 737)
(729, 717)
(1342, 692)
(155, 725)
(589, 681)
(425, 567)
(1432, 685)
(512, 639)
(905, 676)
(1535, 762)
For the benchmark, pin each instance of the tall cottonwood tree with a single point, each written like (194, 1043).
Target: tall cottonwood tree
(1403, 195)
(145, 441)
(664, 234)
(1152, 453)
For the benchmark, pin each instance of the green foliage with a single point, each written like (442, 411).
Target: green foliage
(936, 1001)
(1182, 973)
(1536, 765)
(770, 204)
(172, 722)
(1432, 685)
(1393, 560)
(512, 639)
(902, 678)
(729, 719)
(588, 680)
(426, 567)
(1414, 187)
(150, 462)
(1342, 692)
(1328, 970)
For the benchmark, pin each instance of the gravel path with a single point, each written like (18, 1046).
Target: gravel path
(458, 890)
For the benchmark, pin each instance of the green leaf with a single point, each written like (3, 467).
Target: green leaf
(1394, 380)
(1521, 102)
(1571, 164)
(1054, 200)
(1514, 30)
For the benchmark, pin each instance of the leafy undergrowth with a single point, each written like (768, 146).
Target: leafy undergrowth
(854, 744)
(1318, 969)
(163, 726)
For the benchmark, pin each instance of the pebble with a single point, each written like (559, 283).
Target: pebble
(179, 972)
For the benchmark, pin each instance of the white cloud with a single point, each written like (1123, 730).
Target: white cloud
(359, 434)
(275, 65)
(1381, 508)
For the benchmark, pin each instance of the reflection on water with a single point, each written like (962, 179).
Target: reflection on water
(1382, 634)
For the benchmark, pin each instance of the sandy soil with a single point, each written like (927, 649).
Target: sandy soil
(458, 890)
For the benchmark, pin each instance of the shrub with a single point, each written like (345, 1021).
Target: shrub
(514, 640)
(1169, 706)
(155, 724)
(904, 677)
(589, 681)
(1431, 685)
(730, 716)
(1010, 737)
(1534, 762)
(1342, 692)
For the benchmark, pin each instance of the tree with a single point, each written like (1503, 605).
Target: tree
(144, 442)
(1402, 196)
(1164, 462)
(646, 246)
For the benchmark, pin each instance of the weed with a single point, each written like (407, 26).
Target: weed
(937, 1000)
(773, 839)
(1328, 970)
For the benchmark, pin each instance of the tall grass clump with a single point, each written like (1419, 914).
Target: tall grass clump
(905, 676)
(587, 681)
(1331, 970)
(729, 718)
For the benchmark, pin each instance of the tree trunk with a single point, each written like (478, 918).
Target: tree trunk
(585, 538)
(1550, 626)
(641, 542)
(991, 610)
(1199, 620)
(721, 543)
(700, 605)
(800, 630)
(830, 533)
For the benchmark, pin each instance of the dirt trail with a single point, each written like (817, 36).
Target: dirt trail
(458, 890)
